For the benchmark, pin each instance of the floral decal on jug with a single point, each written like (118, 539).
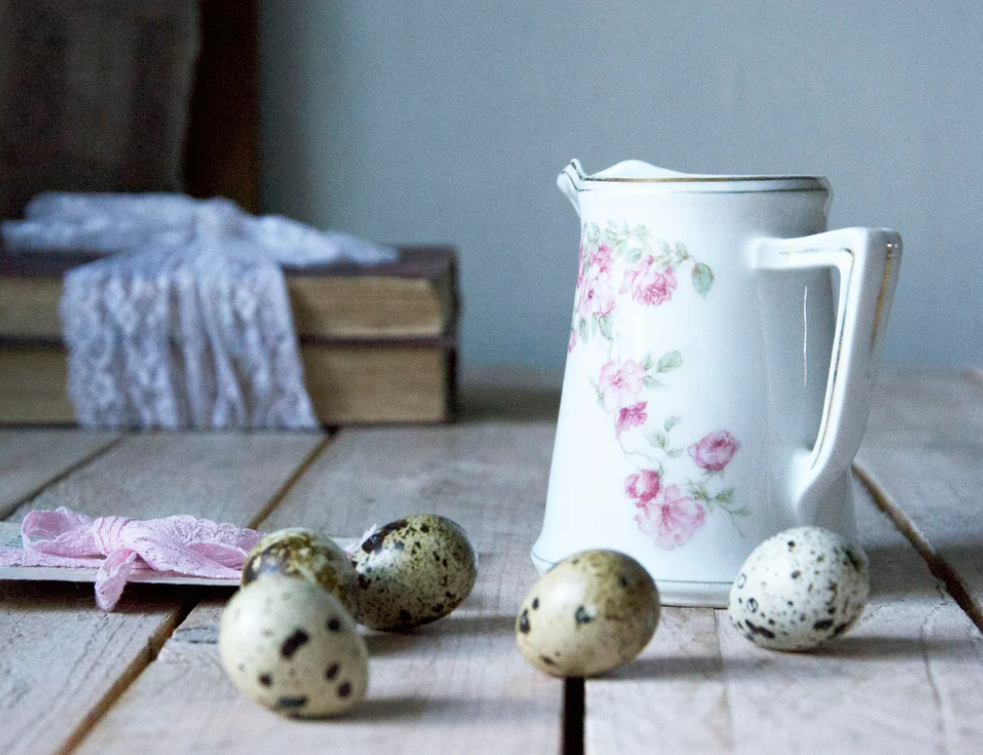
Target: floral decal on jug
(668, 512)
(650, 275)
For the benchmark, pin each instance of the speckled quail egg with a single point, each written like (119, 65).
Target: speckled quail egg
(799, 588)
(413, 571)
(296, 552)
(591, 613)
(291, 646)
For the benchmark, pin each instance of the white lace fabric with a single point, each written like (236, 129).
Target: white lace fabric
(187, 323)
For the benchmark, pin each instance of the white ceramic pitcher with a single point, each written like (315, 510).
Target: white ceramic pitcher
(719, 375)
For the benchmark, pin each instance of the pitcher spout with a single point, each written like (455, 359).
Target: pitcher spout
(570, 182)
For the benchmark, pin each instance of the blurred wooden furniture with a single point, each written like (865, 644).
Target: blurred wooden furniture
(128, 95)
(146, 679)
(378, 343)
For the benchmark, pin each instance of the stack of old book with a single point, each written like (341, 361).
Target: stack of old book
(378, 342)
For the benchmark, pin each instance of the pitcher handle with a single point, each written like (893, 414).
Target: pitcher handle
(868, 261)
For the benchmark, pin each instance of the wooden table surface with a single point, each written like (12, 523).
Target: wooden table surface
(146, 678)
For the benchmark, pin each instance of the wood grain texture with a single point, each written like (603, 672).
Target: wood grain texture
(362, 382)
(905, 680)
(458, 685)
(413, 297)
(32, 386)
(396, 383)
(222, 476)
(62, 662)
(925, 454)
(31, 458)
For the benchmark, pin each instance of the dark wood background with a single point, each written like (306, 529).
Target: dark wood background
(128, 95)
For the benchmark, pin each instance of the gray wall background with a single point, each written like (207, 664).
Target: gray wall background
(434, 121)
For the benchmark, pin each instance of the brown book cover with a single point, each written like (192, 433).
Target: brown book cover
(378, 342)
(413, 297)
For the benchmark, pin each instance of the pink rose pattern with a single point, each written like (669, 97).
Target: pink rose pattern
(649, 276)
(670, 519)
(620, 383)
(644, 487)
(668, 513)
(715, 451)
(629, 417)
(648, 284)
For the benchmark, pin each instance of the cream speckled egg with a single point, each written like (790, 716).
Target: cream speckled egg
(296, 552)
(799, 588)
(591, 613)
(292, 646)
(413, 571)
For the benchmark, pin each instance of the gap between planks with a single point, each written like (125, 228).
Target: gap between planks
(930, 540)
(940, 568)
(574, 716)
(84, 460)
(136, 667)
(94, 710)
(265, 512)
(438, 689)
(164, 633)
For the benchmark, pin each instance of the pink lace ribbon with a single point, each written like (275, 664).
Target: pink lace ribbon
(117, 546)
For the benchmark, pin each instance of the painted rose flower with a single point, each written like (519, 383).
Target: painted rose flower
(715, 451)
(601, 259)
(629, 417)
(672, 519)
(644, 486)
(596, 296)
(619, 384)
(648, 284)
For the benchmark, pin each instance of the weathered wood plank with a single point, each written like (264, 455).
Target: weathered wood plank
(928, 466)
(905, 680)
(924, 405)
(30, 459)
(458, 685)
(62, 661)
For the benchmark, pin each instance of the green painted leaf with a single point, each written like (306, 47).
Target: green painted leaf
(725, 496)
(670, 423)
(605, 325)
(675, 453)
(593, 325)
(656, 438)
(666, 249)
(669, 361)
(651, 382)
(633, 256)
(741, 512)
(582, 328)
(647, 362)
(702, 278)
(681, 252)
(699, 492)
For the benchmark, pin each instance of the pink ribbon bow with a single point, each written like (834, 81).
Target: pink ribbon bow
(117, 546)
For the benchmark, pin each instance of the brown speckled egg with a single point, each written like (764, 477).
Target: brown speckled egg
(413, 571)
(292, 646)
(296, 552)
(799, 588)
(590, 613)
